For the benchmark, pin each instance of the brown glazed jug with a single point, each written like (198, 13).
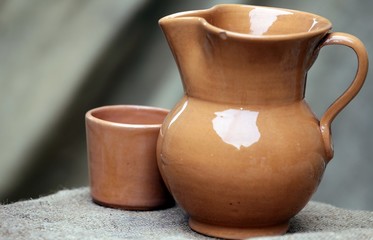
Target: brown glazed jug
(242, 152)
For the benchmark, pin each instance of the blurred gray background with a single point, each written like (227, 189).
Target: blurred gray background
(59, 59)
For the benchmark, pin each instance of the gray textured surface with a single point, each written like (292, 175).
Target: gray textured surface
(70, 214)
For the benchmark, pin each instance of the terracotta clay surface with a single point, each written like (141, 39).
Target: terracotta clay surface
(121, 143)
(242, 152)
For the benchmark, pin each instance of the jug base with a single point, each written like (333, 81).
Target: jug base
(237, 232)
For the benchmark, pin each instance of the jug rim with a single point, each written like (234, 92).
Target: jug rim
(249, 36)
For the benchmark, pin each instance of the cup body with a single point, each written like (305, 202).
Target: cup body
(121, 145)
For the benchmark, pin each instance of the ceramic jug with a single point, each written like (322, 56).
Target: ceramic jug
(242, 152)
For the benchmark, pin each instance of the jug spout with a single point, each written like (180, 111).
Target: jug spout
(242, 52)
(185, 34)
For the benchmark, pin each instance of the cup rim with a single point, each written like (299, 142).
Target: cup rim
(89, 116)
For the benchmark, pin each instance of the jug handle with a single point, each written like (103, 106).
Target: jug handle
(338, 38)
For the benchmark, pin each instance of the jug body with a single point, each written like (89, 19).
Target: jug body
(241, 166)
(242, 151)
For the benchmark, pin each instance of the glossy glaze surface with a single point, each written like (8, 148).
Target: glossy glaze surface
(121, 143)
(242, 152)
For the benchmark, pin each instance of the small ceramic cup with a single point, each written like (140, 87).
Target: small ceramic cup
(121, 144)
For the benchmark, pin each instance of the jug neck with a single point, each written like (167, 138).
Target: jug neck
(220, 65)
